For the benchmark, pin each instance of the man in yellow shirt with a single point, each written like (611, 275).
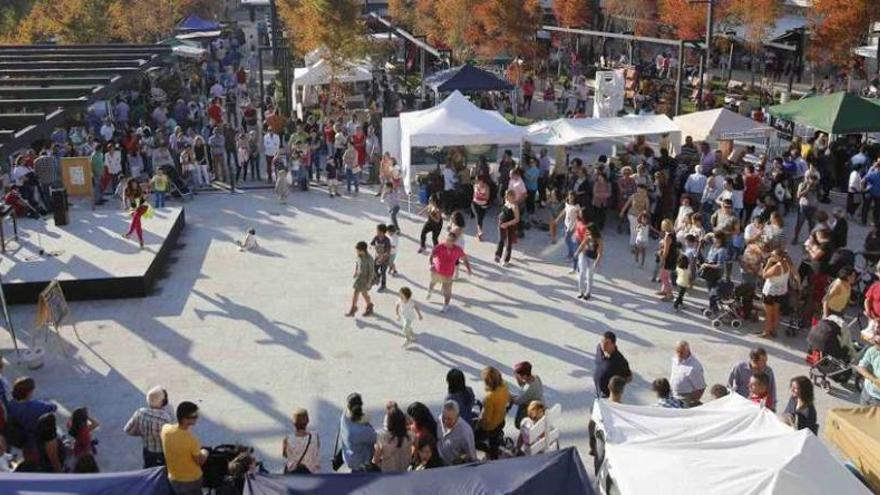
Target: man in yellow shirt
(184, 455)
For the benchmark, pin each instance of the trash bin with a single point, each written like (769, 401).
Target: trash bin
(423, 193)
(58, 201)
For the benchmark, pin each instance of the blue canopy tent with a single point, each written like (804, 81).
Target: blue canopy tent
(146, 482)
(466, 78)
(195, 23)
(559, 472)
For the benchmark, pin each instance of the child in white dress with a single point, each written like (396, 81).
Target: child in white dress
(407, 310)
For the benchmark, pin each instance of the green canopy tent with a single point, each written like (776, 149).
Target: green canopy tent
(838, 113)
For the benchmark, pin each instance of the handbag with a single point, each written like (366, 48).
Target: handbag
(710, 274)
(337, 461)
(299, 467)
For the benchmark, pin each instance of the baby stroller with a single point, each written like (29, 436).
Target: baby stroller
(830, 353)
(729, 306)
(179, 187)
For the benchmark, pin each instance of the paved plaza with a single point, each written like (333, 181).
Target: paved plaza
(251, 336)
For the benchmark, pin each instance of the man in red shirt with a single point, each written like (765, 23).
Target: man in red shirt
(215, 112)
(443, 259)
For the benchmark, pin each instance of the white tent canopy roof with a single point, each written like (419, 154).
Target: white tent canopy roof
(188, 51)
(454, 122)
(458, 122)
(572, 132)
(720, 123)
(868, 51)
(729, 445)
(321, 73)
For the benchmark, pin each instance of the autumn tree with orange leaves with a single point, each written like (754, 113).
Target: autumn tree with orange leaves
(505, 26)
(334, 26)
(839, 26)
(757, 17)
(66, 21)
(640, 15)
(573, 13)
(403, 13)
(105, 21)
(128, 20)
(688, 19)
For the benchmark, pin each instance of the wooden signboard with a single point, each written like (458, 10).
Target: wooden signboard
(52, 310)
(76, 174)
(52, 306)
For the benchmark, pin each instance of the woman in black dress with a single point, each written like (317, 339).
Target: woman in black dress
(508, 219)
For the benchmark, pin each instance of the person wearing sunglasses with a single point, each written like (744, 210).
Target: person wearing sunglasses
(184, 455)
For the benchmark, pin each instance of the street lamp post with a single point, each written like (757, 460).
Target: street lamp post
(706, 59)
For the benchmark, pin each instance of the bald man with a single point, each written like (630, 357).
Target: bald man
(686, 377)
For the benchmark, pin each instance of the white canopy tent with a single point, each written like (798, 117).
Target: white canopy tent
(321, 73)
(720, 124)
(454, 122)
(199, 35)
(573, 132)
(867, 51)
(314, 56)
(727, 446)
(188, 51)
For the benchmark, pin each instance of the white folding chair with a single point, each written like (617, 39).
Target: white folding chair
(553, 417)
(533, 437)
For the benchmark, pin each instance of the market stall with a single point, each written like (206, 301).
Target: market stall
(721, 124)
(729, 445)
(465, 78)
(321, 73)
(837, 113)
(454, 122)
(573, 132)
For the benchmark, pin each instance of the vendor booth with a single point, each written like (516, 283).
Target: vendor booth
(454, 122)
(838, 113)
(193, 23)
(465, 78)
(856, 432)
(185, 49)
(573, 132)
(721, 124)
(321, 73)
(727, 446)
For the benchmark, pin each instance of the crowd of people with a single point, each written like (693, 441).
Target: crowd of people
(700, 218)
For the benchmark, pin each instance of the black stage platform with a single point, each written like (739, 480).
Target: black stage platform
(89, 256)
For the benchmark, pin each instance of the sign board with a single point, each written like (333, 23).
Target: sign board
(52, 306)
(76, 174)
(785, 128)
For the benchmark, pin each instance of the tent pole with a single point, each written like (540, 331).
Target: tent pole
(678, 76)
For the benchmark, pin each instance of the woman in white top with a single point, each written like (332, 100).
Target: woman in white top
(683, 219)
(776, 274)
(393, 450)
(854, 192)
(569, 216)
(303, 451)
